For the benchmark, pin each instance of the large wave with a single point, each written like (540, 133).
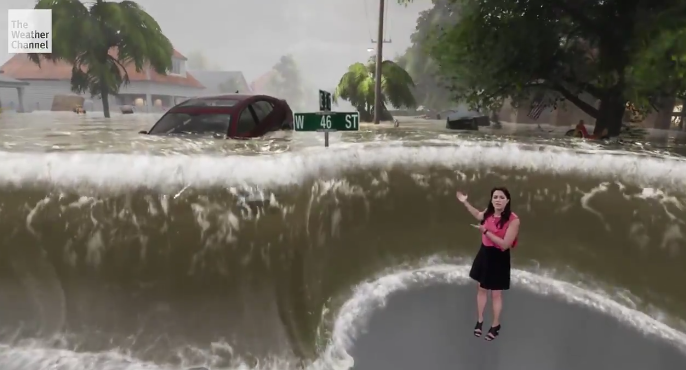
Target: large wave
(131, 261)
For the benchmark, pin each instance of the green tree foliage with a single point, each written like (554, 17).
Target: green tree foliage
(357, 87)
(99, 39)
(617, 51)
(430, 90)
(287, 83)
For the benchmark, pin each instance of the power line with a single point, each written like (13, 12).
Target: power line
(366, 17)
(383, 17)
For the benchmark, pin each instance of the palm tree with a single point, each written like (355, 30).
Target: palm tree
(357, 87)
(99, 39)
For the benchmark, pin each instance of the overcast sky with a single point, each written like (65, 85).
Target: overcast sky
(324, 36)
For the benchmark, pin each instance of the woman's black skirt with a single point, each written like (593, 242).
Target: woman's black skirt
(491, 268)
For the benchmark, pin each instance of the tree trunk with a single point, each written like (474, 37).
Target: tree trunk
(610, 115)
(384, 115)
(105, 101)
(365, 114)
(663, 116)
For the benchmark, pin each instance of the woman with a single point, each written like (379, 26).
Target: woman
(499, 228)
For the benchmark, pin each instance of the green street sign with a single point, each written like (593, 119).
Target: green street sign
(327, 121)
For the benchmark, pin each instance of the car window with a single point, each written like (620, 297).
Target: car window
(192, 123)
(246, 122)
(262, 109)
(287, 120)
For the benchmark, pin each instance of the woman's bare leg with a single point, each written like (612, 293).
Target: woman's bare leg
(481, 299)
(497, 302)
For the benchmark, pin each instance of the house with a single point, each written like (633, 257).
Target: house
(7, 82)
(147, 88)
(216, 82)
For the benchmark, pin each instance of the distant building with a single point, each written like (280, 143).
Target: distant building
(146, 88)
(216, 82)
(260, 84)
(17, 103)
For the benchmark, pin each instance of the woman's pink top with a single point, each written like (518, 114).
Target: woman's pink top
(492, 226)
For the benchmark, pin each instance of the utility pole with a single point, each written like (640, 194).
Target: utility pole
(379, 60)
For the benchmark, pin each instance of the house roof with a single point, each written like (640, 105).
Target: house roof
(212, 79)
(21, 68)
(7, 81)
(179, 55)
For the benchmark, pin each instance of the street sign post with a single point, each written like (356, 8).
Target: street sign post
(326, 121)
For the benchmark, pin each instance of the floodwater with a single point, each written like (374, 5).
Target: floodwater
(123, 251)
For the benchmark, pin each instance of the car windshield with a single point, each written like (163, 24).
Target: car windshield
(192, 123)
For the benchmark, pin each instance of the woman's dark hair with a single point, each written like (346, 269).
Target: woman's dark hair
(505, 216)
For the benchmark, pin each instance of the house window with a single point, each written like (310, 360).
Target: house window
(176, 66)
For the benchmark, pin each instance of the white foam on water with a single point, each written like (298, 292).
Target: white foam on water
(126, 171)
(350, 320)
(372, 295)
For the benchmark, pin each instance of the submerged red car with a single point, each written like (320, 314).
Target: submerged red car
(227, 116)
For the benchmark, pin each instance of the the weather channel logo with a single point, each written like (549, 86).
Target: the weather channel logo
(29, 31)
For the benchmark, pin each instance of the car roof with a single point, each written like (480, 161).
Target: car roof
(224, 97)
(238, 97)
(232, 100)
(215, 102)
